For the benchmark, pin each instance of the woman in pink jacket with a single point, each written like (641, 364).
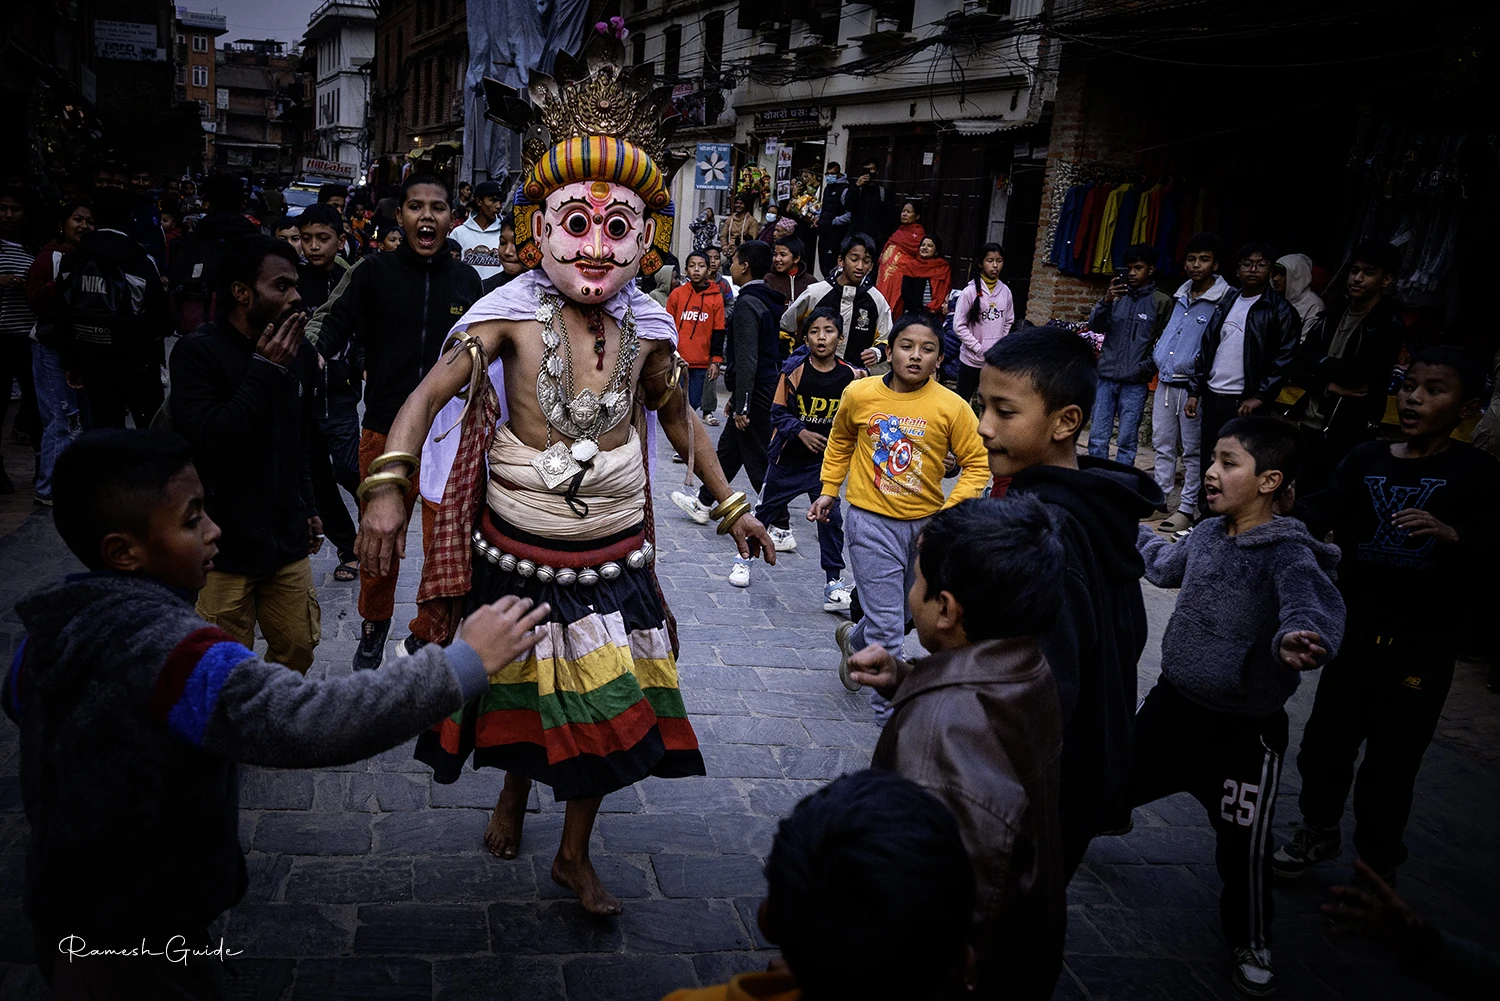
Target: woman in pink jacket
(985, 312)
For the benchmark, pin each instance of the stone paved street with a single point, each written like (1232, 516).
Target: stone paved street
(371, 882)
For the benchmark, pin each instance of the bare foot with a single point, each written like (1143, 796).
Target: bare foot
(503, 835)
(581, 878)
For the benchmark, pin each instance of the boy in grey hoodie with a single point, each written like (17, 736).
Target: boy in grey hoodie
(134, 714)
(1257, 607)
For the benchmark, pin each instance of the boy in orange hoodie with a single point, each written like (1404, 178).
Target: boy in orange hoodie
(698, 310)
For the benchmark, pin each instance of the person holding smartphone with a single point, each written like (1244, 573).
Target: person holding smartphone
(1131, 315)
(865, 200)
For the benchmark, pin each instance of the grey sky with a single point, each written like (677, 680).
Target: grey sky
(283, 19)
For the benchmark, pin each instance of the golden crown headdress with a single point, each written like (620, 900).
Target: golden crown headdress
(594, 120)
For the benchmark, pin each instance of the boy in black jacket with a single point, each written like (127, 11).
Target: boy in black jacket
(1416, 522)
(134, 714)
(1037, 387)
(399, 308)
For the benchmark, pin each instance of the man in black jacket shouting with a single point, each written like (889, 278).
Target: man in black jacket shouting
(237, 400)
(1246, 350)
(399, 307)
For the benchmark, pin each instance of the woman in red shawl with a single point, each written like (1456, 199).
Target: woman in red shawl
(902, 259)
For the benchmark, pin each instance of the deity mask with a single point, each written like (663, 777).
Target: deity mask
(593, 236)
(593, 209)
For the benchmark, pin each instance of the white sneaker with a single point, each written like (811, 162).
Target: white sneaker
(740, 575)
(1252, 972)
(836, 597)
(691, 507)
(783, 539)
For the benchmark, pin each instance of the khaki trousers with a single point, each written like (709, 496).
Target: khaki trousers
(284, 604)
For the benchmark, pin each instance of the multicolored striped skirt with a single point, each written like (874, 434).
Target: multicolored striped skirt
(593, 707)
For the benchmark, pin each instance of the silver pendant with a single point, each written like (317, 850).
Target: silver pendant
(584, 409)
(556, 465)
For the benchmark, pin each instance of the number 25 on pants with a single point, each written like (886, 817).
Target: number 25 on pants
(1239, 802)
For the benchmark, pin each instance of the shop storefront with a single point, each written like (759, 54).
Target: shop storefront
(977, 181)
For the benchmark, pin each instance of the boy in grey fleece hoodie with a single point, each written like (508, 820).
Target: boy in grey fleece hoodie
(1257, 607)
(134, 714)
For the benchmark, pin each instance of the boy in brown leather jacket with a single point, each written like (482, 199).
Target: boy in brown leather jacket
(978, 724)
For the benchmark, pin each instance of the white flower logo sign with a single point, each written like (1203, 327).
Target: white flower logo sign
(713, 167)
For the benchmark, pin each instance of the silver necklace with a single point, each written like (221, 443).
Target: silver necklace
(583, 416)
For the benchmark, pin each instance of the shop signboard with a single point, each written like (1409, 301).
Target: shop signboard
(711, 170)
(193, 19)
(331, 169)
(127, 40)
(797, 117)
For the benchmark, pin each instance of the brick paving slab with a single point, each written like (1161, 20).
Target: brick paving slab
(370, 881)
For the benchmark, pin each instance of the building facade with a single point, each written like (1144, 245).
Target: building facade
(261, 91)
(417, 87)
(340, 43)
(944, 95)
(197, 70)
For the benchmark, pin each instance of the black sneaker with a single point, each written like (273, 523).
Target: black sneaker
(1308, 847)
(371, 652)
(1253, 975)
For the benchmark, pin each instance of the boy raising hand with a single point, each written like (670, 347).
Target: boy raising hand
(1257, 608)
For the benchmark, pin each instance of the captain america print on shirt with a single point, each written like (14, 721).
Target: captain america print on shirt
(898, 453)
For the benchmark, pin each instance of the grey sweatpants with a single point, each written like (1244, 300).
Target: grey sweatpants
(883, 559)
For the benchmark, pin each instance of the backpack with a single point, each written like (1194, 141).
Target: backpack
(191, 276)
(101, 304)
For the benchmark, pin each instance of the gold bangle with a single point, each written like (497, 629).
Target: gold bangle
(732, 515)
(717, 511)
(377, 480)
(381, 461)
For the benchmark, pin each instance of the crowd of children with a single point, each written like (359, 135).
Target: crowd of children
(1011, 744)
(1262, 597)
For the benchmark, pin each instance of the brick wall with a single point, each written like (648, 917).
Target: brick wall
(1092, 125)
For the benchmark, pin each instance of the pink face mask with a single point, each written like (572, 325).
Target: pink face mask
(592, 235)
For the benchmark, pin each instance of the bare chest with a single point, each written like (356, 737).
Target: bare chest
(566, 380)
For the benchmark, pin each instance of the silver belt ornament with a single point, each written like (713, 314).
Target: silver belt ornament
(636, 559)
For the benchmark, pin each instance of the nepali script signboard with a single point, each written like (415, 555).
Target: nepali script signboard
(711, 167)
(127, 40)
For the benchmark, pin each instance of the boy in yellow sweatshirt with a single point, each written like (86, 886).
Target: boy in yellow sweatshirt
(890, 441)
